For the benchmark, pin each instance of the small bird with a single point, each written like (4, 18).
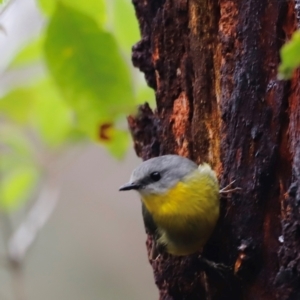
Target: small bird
(180, 202)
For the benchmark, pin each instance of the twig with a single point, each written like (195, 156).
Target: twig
(25, 235)
(15, 269)
(18, 281)
(20, 240)
(6, 6)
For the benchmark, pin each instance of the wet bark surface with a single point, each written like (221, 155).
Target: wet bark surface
(213, 66)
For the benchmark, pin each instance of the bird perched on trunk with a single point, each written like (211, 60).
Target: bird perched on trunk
(181, 202)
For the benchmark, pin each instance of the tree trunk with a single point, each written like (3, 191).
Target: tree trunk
(213, 65)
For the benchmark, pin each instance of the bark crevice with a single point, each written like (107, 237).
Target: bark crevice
(214, 70)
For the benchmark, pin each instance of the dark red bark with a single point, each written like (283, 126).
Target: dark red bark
(213, 66)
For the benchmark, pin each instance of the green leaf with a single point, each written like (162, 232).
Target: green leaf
(93, 8)
(51, 115)
(290, 56)
(145, 94)
(14, 143)
(32, 52)
(124, 24)
(16, 187)
(18, 170)
(17, 104)
(118, 143)
(88, 68)
(42, 107)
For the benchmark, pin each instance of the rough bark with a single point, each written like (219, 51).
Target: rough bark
(213, 66)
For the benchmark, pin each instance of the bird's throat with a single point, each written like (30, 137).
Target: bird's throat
(167, 209)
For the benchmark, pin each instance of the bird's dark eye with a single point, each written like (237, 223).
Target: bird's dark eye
(155, 176)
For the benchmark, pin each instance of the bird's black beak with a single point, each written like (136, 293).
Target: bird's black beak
(129, 186)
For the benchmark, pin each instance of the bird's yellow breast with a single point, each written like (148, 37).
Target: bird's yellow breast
(190, 208)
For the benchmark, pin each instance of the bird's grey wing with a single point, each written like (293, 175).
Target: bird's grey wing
(151, 229)
(149, 223)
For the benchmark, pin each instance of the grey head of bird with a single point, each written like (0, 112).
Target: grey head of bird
(157, 175)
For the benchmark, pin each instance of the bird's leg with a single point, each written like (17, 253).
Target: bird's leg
(227, 186)
(231, 191)
(215, 266)
(218, 268)
(205, 284)
(156, 250)
(227, 189)
(154, 254)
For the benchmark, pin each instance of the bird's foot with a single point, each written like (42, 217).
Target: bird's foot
(227, 189)
(220, 269)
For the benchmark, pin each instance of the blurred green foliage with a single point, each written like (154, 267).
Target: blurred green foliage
(86, 89)
(290, 56)
(19, 174)
(93, 9)
(86, 64)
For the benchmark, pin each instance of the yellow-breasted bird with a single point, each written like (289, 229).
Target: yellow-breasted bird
(181, 202)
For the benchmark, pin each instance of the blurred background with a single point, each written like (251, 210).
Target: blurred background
(66, 86)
